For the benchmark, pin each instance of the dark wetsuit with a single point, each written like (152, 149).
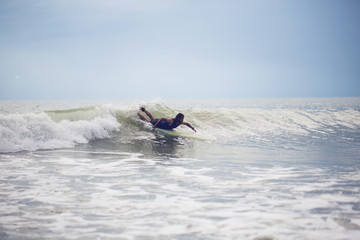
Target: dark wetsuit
(165, 125)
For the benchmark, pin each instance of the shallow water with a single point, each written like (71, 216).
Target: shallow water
(274, 169)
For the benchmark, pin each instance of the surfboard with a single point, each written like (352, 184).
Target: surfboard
(182, 134)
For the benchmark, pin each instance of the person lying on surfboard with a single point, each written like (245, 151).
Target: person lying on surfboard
(165, 123)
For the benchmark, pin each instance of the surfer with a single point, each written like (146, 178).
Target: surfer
(165, 123)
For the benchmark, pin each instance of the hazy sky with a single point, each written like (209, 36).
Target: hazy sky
(113, 49)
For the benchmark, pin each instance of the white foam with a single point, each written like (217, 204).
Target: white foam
(125, 199)
(35, 131)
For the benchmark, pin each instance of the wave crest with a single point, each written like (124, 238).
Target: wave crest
(69, 127)
(35, 131)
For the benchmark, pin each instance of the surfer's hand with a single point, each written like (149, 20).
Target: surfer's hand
(193, 129)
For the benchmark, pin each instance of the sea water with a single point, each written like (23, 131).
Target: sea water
(255, 169)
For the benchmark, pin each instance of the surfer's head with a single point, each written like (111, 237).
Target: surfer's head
(179, 117)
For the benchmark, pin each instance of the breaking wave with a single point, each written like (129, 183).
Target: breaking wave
(68, 127)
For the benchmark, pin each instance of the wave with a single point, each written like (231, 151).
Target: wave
(55, 129)
(66, 128)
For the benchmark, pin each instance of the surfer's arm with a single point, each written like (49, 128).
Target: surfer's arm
(189, 125)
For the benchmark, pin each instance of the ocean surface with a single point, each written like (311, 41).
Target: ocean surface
(257, 169)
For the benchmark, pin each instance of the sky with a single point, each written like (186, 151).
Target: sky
(143, 49)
